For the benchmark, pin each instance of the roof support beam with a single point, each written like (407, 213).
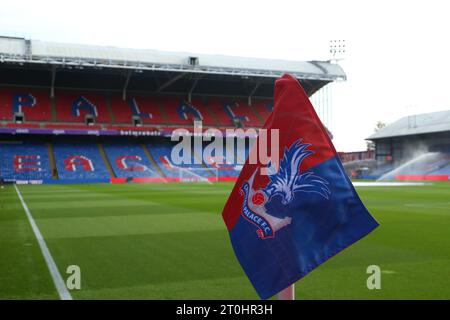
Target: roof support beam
(52, 84)
(170, 81)
(192, 89)
(337, 75)
(250, 95)
(125, 86)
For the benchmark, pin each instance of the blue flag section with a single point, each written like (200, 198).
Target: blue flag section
(285, 224)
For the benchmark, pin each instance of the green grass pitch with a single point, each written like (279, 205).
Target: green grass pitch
(168, 241)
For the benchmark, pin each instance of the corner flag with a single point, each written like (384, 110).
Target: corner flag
(285, 224)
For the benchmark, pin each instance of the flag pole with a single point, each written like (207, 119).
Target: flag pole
(287, 293)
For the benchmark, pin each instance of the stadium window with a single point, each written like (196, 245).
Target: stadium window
(383, 148)
(19, 117)
(238, 123)
(193, 61)
(137, 122)
(89, 120)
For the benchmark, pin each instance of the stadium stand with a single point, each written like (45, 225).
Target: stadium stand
(146, 108)
(129, 161)
(229, 112)
(208, 118)
(161, 152)
(225, 167)
(430, 164)
(218, 164)
(443, 170)
(417, 147)
(24, 161)
(181, 112)
(70, 126)
(73, 107)
(34, 104)
(51, 92)
(379, 171)
(23, 125)
(241, 111)
(217, 106)
(263, 108)
(129, 128)
(80, 162)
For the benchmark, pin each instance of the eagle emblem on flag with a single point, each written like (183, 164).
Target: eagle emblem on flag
(284, 184)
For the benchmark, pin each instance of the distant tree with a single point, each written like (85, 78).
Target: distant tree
(378, 126)
(370, 145)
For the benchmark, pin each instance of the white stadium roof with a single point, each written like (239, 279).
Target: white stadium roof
(415, 124)
(20, 50)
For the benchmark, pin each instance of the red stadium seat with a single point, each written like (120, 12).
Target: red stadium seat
(181, 112)
(146, 107)
(23, 125)
(243, 110)
(6, 112)
(170, 105)
(131, 128)
(71, 126)
(217, 106)
(226, 110)
(263, 108)
(208, 119)
(73, 106)
(33, 103)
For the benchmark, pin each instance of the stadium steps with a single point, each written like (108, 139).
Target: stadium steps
(163, 113)
(260, 118)
(51, 156)
(213, 115)
(109, 108)
(152, 160)
(236, 153)
(106, 160)
(53, 108)
(439, 165)
(198, 157)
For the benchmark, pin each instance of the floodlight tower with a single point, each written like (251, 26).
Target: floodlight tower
(337, 50)
(322, 99)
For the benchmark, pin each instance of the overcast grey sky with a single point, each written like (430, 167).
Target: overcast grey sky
(397, 59)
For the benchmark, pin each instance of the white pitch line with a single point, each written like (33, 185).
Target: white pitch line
(388, 184)
(56, 276)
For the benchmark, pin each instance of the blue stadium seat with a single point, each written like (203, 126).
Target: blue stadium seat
(80, 162)
(161, 152)
(24, 161)
(432, 163)
(130, 160)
